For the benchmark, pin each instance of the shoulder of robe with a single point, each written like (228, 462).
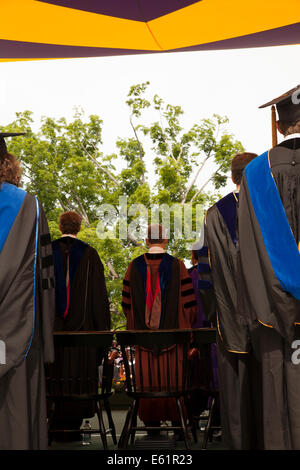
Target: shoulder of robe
(30, 197)
(93, 253)
(211, 211)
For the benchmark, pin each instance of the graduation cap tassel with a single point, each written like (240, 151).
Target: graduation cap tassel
(274, 128)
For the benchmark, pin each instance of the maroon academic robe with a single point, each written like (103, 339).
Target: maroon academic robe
(179, 311)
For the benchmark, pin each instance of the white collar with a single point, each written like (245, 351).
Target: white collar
(156, 249)
(292, 136)
(68, 235)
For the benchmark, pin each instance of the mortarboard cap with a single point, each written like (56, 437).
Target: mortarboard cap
(287, 105)
(3, 135)
(288, 108)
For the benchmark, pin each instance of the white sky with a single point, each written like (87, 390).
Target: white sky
(232, 83)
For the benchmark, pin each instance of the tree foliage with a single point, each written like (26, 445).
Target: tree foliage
(65, 167)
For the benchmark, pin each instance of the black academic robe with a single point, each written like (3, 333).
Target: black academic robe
(26, 319)
(88, 310)
(217, 287)
(271, 311)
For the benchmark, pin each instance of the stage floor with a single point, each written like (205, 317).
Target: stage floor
(119, 418)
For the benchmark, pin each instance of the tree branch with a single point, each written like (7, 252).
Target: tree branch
(140, 147)
(133, 240)
(205, 184)
(82, 210)
(112, 271)
(195, 179)
(97, 164)
(65, 208)
(166, 139)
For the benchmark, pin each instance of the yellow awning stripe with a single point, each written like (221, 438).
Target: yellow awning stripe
(216, 20)
(32, 21)
(207, 21)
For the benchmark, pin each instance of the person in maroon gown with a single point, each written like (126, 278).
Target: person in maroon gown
(142, 303)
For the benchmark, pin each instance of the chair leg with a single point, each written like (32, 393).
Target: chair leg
(191, 420)
(110, 420)
(183, 424)
(134, 423)
(50, 422)
(128, 431)
(124, 430)
(208, 425)
(101, 425)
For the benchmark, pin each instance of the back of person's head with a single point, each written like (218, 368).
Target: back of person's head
(156, 234)
(10, 170)
(238, 164)
(195, 252)
(288, 128)
(70, 223)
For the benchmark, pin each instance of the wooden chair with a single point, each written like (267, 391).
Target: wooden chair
(164, 374)
(66, 386)
(202, 339)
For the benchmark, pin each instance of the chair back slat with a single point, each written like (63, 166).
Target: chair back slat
(75, 370)
(176, 370)
(149, 370)
(107, 375)
(158, 376)
(203, 339)
(168, 370)
(186, 369)
(132, 369)
(141, 379)
(160, 360)
(127, 369)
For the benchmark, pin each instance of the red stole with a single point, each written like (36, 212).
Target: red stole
(153, 303)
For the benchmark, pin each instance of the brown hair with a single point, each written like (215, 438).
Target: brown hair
(238, 164)
(288, 128)
(10, 170)
(70, 222)
(156, 234)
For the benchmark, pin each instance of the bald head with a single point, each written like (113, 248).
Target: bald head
(156, 235)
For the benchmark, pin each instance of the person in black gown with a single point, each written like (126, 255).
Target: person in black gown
(269, 275)
(217, 287)
(81, 304)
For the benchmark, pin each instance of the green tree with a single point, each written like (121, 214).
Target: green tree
(64, 165)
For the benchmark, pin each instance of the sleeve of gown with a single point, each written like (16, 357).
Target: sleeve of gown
(126, 293)
(205, 282)
(127, 300)
(46, 286)
(98, 292)
(187, 294)
(244, 308)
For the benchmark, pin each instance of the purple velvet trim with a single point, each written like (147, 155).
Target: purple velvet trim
(227, 207)
(138, 10)
(201, 320)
